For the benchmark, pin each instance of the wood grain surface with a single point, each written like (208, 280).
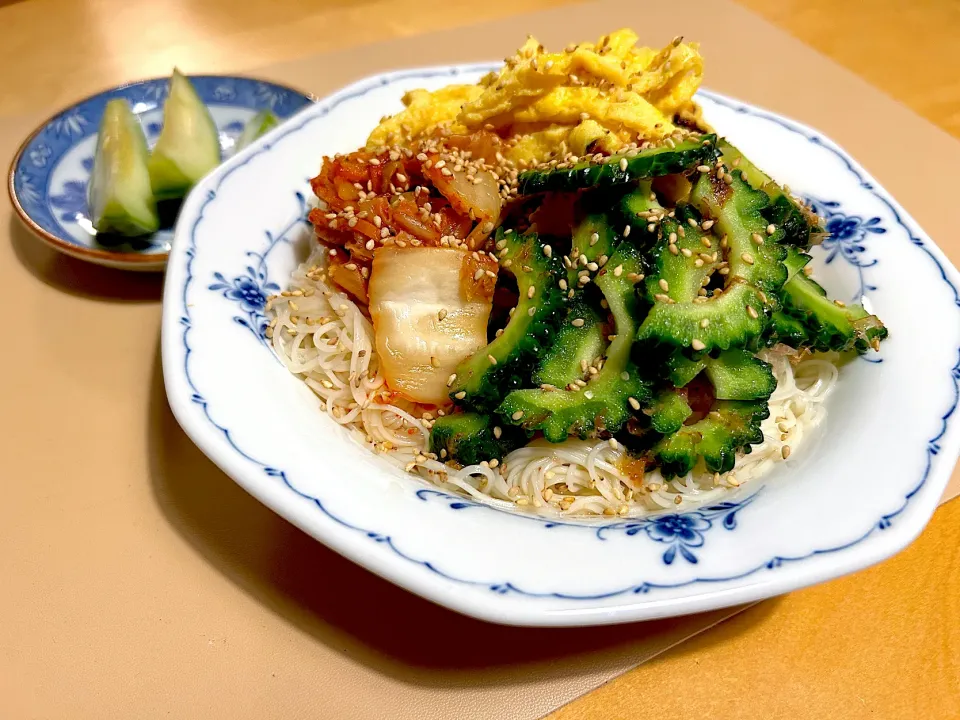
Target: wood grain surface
(882, 643)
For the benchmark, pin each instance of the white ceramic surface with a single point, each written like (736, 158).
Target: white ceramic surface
(856, 493)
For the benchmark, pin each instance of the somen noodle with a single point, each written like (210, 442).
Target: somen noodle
(322, 336)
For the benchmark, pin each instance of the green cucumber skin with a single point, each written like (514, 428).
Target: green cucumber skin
(655, 162)
(189, 144)
(260, 124)
(119, 194)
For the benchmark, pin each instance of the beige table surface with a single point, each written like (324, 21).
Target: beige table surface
(889, 635)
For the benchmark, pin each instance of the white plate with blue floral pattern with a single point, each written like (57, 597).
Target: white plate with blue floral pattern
(49, 175)
(857, 493)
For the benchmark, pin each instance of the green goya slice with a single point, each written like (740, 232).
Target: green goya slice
(470, 438)
(682, 315)
(609, 399)
(481, 384)
(637, 208)
(800, 225)
(731, 426)
(622, 169)
(574, 348)
(668, 412)
(740, 375)
(189, 144)
(827, 325)
(594, 240)
(119, 195)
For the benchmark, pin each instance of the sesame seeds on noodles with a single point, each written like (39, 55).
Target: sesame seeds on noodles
(328, 342)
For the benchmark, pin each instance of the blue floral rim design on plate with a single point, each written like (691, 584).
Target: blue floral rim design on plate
(680, 532)
(48, 179)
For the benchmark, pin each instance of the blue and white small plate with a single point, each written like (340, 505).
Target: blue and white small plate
(49, 175)
(854, 494)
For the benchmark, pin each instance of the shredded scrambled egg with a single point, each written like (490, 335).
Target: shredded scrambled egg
(602, 96)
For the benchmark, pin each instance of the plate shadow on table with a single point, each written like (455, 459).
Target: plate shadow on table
(350, 609)
(79, 277)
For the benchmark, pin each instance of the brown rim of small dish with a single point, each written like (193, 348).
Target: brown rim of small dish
(79, 251)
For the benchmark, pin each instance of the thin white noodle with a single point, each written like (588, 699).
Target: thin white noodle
(331, 348)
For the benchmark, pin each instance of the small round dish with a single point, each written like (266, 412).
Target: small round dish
(49, 174)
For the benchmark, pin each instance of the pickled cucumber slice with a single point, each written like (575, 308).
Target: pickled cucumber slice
(188, 147)
(119, 194)
(261, 123)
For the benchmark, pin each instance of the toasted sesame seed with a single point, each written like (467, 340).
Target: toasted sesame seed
(618, 271)
(672, 238)
(594, 239)
(626, 231)
(697, 344)
(674, 250)
(771, 229)
(577, 322)
(752, 313)
(434, 362)
(703, 168)
(623, 164)
(634, 403)
(592, 266)
(706, 224)
(478, 274)
(838, 303)
(548, 251)
(460, 395)
(517, 415)
(492, 359)
(562, 284)
(705, 322)
(532, 311)
(588, 395)
(497, 432)
(747, 258)
(785, 452)
(691, 222)
(664, 285)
